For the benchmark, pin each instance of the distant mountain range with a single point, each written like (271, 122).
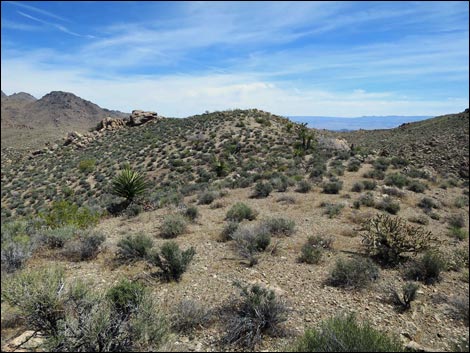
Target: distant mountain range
(349, 124)
(27, 122)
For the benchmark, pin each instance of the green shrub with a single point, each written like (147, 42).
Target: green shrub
(239, 212)
(206, 198)
(133, 210)
(456, 221)
(312, 250)
(332, 209)
(125, 296)
(257, 313)
(421, 219)
(417, 186)
(57, 237)
(134, 247)
(189, 315)
(64, 213)
(427, 204)
(229, 229)
(332, 187)
(374, 174)
(396, 179)
(353, 273)
(191, 213)
(173, 225)
(279, 226)
(369, 184)
(427, 269)
(250, 241)
(458, 233)
(262, 190)
(127, 319)
(280, 183)
(129, 184)
(387, 238)
(399, 162)
(367, 200)
(171, 260)
(344, 334)
(39, 296)
(303, 186)
(381, 164)
(87, 165)
(354, 165)
(17, 245)
(86, 247)
(461, 201)
(357, 187)
(408, 294)
(388, 205)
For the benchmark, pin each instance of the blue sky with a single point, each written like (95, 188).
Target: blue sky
(289, 58)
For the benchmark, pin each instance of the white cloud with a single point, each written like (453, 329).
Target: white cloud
(184, 95)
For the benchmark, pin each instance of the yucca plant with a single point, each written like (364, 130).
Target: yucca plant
(129, 184)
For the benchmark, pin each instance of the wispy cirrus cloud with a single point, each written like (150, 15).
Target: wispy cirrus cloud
(37, 10)
(55, 25)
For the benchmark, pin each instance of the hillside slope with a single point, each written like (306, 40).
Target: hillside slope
(440, 143)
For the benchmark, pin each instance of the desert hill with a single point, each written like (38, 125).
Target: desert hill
(28, 122)
(440, 143)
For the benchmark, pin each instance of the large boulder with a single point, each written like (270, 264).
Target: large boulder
(333, 144)
(139, 117)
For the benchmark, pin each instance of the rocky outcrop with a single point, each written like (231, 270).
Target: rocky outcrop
(139, 117)
(111, 124)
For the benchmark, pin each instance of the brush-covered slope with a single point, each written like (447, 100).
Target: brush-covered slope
(172, 153)
(28, 123)
(440, 143)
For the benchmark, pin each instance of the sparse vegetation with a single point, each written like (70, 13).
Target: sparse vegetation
(344, 334)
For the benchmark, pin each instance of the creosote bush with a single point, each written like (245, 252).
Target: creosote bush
(134, 247)
(303, 186)
(262, 189)
(388, 238)
(279, 226)
(312, 250)
(228, 231)
(171, 260)
(191, 213)
(173, 225)
(189, 315)
(408, 294)
(344, 334)
(258, 312)
(332, 187)
(427, 269)
(353, 273)
(250, 241)
(239, 212)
